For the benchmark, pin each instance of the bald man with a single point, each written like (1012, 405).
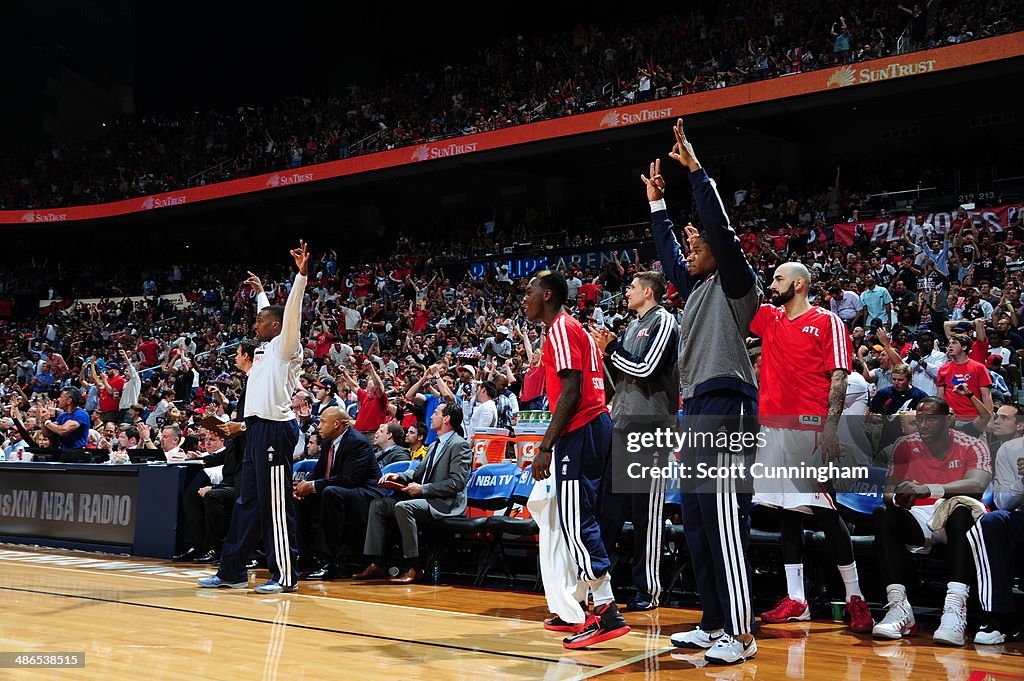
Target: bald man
(806, 358)
(333, 503)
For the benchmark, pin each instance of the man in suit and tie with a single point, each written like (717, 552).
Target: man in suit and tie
(435, 489)
(335, 500)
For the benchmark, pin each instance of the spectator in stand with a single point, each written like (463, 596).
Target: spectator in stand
(846, 304)
(72, 424)
(960, 369)
(485, 412)
(890, 403)
(877, 304)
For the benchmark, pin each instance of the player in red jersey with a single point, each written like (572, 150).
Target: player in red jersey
(933, 464)
(579, 439)
(805, 360)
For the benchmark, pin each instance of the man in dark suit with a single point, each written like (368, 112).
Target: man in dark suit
(207, 505)
(435, 489)
(340, 490)
(390, 443)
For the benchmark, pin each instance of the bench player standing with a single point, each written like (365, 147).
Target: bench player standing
(719, 389)
(806, 356)
(646, 391)
(265, 508)
(579, 438)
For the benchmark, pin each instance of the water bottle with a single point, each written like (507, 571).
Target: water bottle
(435, 572)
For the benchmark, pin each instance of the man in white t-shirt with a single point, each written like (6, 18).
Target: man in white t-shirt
(485, 411)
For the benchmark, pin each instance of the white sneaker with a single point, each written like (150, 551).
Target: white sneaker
(698, 638)
(899, 619)
(952, 629)
(728, 650)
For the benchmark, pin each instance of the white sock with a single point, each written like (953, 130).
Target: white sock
(795, 581)
(850, 579)
(958, 588)
(601, 589)
(896, 593)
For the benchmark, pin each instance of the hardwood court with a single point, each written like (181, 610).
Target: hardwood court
(140, 618)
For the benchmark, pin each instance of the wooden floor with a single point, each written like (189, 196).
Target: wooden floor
(144, 619)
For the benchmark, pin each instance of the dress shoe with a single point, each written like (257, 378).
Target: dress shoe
(207, 558)
(372, 571)
(410, 576)
(327, 571)
(188, 557)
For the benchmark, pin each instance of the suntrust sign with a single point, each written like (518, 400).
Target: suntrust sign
(848, 75)
(864, 73)
(426, 152)
(616, 118)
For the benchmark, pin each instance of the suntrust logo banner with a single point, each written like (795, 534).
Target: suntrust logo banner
(615, 118)
(33, 216)
(152, 202)
(278, 180)
(425, 152)
(847, 75)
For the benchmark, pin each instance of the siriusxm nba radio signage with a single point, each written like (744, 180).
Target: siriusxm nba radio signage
(528, 266)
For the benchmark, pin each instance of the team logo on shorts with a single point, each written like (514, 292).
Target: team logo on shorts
(565, 469)
(270, 454)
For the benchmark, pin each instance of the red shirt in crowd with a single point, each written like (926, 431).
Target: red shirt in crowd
(373, 409)
(533, 384)
(568, 346)
(112, 401)
(587, 292)
(979, 350)
(150, 351)
(974, 374)
(420, 318)
(798, 357)
(322, 345)
(912, 460)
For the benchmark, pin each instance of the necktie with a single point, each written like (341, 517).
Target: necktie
(428, 462)
(330, 460)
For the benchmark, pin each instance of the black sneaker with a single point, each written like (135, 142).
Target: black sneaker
(641, 602)
(604, 626)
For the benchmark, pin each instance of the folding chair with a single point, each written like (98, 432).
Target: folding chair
(488, 489)
(518, 526)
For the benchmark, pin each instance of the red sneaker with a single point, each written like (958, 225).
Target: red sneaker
(860, 616)
(787, 610)
(604, 625)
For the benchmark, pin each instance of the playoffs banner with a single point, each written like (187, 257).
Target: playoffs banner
(995, 219)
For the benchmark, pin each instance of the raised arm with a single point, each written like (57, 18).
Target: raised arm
(291, 325)
(262, 300)
(736, 274)
(673, 260)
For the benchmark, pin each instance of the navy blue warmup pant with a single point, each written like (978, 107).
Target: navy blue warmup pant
(581, 460)
(996, 541)
(647, 511)
(716, 513)
(264, 508)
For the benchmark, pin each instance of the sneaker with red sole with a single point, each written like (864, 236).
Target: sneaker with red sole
(605, 624)
(556, 623)
(860, 616)
(787, 610)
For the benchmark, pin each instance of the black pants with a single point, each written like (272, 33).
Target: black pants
(333, 519)
(896, 529)
(207, 518)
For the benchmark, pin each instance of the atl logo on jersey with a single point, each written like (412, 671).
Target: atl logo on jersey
(812, 330)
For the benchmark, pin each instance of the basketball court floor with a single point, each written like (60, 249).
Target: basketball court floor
(144, 619)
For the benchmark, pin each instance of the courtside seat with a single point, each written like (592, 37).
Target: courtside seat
(488, 489)
(501, 525)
